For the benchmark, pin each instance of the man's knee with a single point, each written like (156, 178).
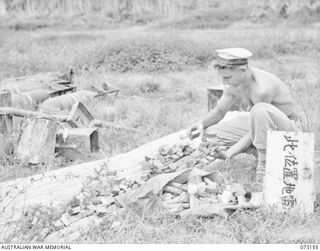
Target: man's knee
(260, 108)
(261, 111)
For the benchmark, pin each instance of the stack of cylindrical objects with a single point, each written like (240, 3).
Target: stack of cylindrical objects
(201, 190)
(175, 196)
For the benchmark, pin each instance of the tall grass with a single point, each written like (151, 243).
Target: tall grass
(143, 11)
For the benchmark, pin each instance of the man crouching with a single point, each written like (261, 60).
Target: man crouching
(271, 108)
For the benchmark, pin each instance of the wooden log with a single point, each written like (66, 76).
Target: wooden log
(76, 118)
(37, 141)
(30, 114)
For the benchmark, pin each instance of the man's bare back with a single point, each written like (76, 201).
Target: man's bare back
(267, 88)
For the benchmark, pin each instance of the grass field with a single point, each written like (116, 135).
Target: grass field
(162, 70)
(262, 226)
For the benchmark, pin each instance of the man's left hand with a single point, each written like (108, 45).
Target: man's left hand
(221, 153)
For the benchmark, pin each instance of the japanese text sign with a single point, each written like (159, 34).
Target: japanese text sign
(289, 180)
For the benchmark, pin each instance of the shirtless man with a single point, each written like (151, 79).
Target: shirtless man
(270, 102)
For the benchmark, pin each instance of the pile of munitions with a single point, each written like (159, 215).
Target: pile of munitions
(99, 196)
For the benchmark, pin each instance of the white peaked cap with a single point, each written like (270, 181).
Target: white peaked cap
(234, 53)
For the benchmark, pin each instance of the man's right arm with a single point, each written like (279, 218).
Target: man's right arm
(216, 114)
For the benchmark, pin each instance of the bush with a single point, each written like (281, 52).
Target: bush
(149, 55)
